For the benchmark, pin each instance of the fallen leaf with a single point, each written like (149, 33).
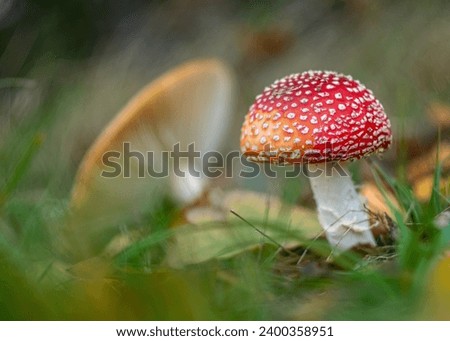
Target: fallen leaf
(226, 235)
(423, 187)
(375, 200)
(425, 164)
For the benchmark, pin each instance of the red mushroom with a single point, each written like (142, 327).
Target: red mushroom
(318, 118)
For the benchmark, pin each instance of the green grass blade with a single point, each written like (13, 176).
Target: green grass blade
(138, 248)
(21, 167)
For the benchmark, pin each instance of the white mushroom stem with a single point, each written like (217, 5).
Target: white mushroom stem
(189, 187)
(341, 211)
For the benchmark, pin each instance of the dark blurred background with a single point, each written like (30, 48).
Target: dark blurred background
(89, 57)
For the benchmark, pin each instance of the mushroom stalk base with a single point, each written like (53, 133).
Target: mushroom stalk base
(341, 211)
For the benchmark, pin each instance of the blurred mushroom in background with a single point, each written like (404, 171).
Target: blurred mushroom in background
(130, 168)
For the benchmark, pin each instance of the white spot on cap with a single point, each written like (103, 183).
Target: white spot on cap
(338, 95)
(263, 140)
(276, 138)
(341, 106)
(291, 115)
(288, 130)
(305, 130)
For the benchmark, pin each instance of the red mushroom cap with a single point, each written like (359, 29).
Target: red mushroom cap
(314, 117)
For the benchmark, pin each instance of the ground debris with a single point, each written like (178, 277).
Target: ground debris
(303, 263)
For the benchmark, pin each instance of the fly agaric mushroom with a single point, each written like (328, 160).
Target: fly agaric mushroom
(319, 118)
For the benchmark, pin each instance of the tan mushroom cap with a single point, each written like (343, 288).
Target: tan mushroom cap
(186, 104)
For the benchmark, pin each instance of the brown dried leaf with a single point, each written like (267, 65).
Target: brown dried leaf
(425, 164)
(375, 199)
(424, 186)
